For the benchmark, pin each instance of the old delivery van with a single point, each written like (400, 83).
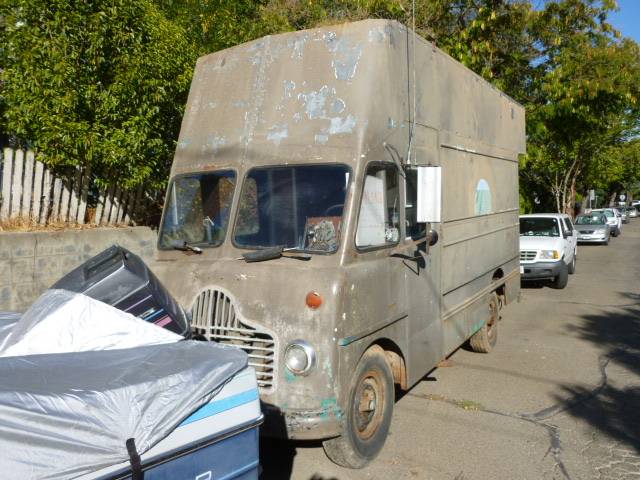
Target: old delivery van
(343, 206)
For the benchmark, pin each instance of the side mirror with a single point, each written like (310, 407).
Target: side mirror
(429, 194)
(569, 234)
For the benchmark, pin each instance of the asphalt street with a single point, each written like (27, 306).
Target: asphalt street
(558, 398)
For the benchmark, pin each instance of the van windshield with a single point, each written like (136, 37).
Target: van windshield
(539, 227)
(297, 207)
(197, 210)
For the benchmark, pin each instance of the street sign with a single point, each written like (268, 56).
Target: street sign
(623, 197)
(592, 194)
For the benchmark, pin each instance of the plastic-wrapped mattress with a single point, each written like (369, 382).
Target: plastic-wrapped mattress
(73, 402)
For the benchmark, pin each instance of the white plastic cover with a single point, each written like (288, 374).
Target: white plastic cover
(62, 321)
(68, 414)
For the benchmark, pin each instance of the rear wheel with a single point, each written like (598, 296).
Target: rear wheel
(485, 339)
(368, 417)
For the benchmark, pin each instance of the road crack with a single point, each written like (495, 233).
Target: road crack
(540, 417)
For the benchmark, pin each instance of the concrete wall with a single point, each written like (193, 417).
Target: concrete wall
(30, 262)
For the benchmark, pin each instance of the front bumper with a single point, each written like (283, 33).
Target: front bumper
(302, 424)
(540, 270)
(592, 238)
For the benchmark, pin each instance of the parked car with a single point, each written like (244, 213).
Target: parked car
(593, 228)
(614, 220)
(633, 212)
(624, 215)
(548, 248)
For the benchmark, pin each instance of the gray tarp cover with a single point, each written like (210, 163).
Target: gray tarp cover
(67, 414)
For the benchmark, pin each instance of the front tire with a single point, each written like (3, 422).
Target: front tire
(368, 417)
(572, 265)
(485, 339)
(562, 278)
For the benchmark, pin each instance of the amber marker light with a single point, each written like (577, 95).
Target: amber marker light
(313, 300)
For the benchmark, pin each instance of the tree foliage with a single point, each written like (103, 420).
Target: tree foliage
(98, 83)
(104, 82)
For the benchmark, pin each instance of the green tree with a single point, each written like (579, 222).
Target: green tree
(99, 83)
(584, 99)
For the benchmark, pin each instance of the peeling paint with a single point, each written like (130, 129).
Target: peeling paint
(376, 35)
(338, 106)
(289, 377)
(298, 46)
(289, 87)
(330, 406)
(321, 138)
(213, 143)
(346, 56)
(277, 133)
(342, 125)
(314, 102)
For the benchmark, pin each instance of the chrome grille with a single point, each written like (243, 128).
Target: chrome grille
(213, 315)
(585, 231)
(527, 255)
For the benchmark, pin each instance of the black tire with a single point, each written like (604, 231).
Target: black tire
(562, 278)
(572, 265)
(364, 431)
(485, 339)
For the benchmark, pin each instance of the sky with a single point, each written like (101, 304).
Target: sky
(627, 19)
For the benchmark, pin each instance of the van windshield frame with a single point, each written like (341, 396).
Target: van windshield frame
(197, 210)
(299, 207)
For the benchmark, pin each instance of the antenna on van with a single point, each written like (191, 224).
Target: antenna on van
(395, 155)
(413, 72)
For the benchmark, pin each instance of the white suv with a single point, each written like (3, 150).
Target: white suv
(548, 248)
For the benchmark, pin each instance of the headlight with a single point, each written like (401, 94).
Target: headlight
(299, 357)
(549, 254)
(600, 231)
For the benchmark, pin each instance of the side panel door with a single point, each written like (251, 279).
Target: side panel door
(420, 264)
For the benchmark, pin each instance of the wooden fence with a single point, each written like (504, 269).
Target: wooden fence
(32, 191)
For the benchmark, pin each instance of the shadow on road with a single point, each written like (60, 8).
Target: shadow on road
(276, 458)
(613, 407)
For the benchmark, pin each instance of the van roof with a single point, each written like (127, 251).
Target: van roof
(335, 94)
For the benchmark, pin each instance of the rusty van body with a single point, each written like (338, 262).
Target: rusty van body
(373, 182)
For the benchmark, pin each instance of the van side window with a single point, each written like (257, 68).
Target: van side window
(379, 219)
(415, 230)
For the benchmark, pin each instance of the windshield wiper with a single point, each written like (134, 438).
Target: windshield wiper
(271, 253)
(183, 246)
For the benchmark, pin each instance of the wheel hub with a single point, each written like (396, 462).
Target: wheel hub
(367, 408)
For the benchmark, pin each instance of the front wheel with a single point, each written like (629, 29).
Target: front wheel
(562, 278)
(368, 416)
(572, 265)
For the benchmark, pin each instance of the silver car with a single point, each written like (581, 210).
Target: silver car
(592, 228)
(633, 212)
(624, 212)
